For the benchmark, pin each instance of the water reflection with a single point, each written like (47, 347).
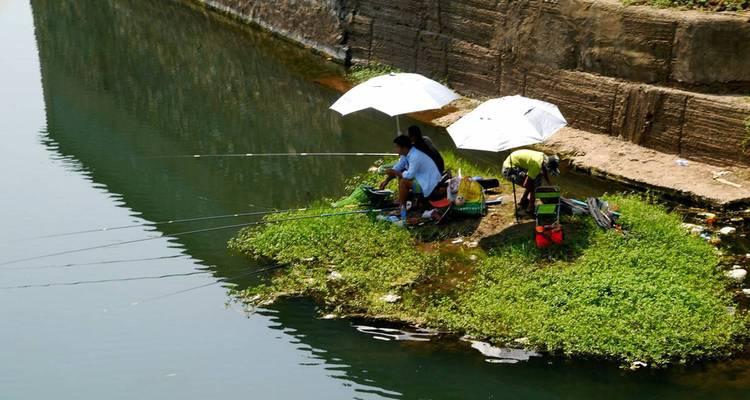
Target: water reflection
(128, 80)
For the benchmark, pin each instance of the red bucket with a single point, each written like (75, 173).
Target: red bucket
(545, 236)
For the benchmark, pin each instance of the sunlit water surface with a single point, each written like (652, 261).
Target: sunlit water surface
(93, 96)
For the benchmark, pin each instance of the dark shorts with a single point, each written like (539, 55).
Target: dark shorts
(518, 176)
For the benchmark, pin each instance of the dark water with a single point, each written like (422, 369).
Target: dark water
(93, 94)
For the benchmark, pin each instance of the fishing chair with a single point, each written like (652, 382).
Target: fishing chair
(548, 230)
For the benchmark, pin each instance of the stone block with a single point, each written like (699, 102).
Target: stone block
(584, 99)
(714, 130)
(473, 69)
(712, 49)
(394, 45)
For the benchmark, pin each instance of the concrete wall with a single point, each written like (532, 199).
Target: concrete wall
(672, 81)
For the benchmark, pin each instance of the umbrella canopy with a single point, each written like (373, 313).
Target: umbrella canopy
(394, 94)
(506, 123)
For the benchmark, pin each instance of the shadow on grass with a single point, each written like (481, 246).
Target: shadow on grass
(453, 227)
(579, 233)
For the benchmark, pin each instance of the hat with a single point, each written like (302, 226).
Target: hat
(552, 163)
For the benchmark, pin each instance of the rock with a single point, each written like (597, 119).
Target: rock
(727, 230)
(637, 364)
(390, 298)
(457, 241)
(328, 316)
(473, 257)
(736, 267)
(693, 228)
(746, 292)
(334, 276)
(737, 275)
(472, 245)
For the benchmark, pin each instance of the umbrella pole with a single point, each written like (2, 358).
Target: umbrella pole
(515, 201)
(515, 204)
(398, 127)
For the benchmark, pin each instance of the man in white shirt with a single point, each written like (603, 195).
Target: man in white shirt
(416, 171)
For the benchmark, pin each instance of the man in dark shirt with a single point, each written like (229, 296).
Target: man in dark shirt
(425, 145)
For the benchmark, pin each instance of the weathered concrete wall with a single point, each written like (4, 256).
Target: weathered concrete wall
(319, 24)
(655, 77)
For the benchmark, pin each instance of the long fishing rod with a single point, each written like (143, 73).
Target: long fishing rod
(136, 278)
(71, 265)
(167, 222)
(279, 155)
(222, 280)
(325, 215)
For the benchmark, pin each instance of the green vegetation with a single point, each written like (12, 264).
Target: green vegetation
(746, 140)
(651, 294)
(361, 73)
(717, 5)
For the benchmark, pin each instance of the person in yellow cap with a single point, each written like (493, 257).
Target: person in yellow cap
(526, 168)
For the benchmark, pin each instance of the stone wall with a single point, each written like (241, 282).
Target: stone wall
(669, 80)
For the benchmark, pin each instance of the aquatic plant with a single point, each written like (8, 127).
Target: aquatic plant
(651, 294)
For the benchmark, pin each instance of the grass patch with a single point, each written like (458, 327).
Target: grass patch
(715, 5)
(361, 73)
(653, 294)
(746, 140)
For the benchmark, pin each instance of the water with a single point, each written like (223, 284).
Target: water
(92, 94)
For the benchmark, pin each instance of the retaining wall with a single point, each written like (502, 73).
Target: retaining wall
(674, 81)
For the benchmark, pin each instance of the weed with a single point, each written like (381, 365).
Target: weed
(361, 73)
(652, 294)
(716, 5)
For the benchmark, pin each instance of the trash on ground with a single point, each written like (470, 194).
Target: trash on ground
(737, 275)
(390, 298)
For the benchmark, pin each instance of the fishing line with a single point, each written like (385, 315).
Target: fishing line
(325, 215)
(222, 280)
(167, 222)
(137, 278)
(279, 155)
(94, 263)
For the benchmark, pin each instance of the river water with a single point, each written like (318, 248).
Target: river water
(94, 95)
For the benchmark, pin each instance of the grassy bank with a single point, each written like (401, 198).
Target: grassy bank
(717, 5)
(652, 294)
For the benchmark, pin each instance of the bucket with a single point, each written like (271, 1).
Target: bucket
(548, 235)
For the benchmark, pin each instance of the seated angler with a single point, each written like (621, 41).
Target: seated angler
(416, 171)
(425, 145)
(526, 168)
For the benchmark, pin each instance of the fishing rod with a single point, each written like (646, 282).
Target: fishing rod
(130, 260)
(167, 222)
(279, 155)
(136, 278)
(325, 215)
(222, 280)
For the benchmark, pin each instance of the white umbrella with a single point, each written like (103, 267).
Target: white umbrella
(506, 123)
(395, 94)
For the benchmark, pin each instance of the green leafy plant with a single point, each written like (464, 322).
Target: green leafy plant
(717, 5)
(651, 294)
(361, 73)
(746, 140)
